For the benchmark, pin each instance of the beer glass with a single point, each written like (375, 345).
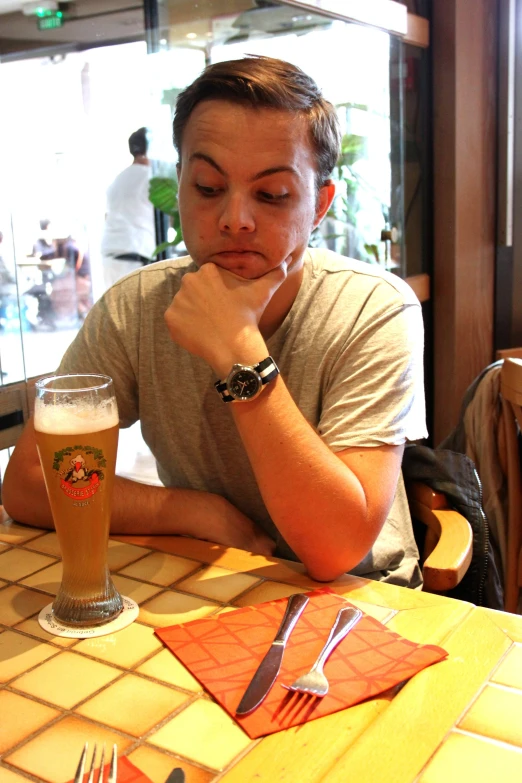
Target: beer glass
(76, 424)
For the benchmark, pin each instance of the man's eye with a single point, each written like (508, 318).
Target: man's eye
(205, 190)
(273, 196)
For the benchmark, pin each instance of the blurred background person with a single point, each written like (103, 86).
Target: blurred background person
(77, 258)
(48, 265)
(129, 235)
(45, 246)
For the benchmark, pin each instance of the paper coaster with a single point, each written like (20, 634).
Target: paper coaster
(50, 624)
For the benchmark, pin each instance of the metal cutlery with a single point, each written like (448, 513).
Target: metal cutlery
(268, 669)
(176, 776)
(113, 771)
(314, 681)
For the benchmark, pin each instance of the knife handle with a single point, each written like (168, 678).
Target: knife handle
(294, 609)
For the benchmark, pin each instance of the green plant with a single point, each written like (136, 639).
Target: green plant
(163, 194)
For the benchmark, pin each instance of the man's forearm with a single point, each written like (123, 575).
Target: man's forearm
(316, 501)
(138, 509)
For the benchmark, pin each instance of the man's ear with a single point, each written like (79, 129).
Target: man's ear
(178, 169)
(324, 199)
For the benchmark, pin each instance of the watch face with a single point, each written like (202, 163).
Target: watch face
(244, 384)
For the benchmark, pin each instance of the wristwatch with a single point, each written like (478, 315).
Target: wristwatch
(244, 383)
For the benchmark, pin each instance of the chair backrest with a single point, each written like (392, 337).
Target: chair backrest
(448, 544)
(16, 405)
(14, 412)
(509, 449)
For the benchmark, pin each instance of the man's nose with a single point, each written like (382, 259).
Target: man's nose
(236, 216)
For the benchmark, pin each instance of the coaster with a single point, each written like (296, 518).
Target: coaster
(127, 616)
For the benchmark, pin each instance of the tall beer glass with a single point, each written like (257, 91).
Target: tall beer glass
(76, 424)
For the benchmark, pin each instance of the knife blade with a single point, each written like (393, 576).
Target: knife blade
(268, 669)
(176, 776)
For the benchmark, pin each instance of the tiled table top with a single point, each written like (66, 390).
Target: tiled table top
(456, 721)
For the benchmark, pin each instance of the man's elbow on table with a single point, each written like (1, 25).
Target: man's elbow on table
(331, 568)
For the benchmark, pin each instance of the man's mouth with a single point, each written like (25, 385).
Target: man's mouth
(237, 252)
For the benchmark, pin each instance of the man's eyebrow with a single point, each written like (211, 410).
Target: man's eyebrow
(207, 159)
(260, 175)
(274, 170)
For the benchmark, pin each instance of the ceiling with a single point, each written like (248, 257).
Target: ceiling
(96, 22)
(6, 6)
(184, 22)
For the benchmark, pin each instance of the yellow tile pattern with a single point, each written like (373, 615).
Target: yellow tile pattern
(126, 648)
(463, 758)
(157, 766)
(20, 718)
(53, 754)
(133, 704)
(12, 533)
(6, 776)
(268, 591)
(217, 583)
(510, 670)
(17, 563)
(171, 607)
(18, 604)
(458, 720)
(48, 579)
(18, 653)
(66, 679)
(496, 713)
(33, 628)
(204, 733)
(47, 544)
(161, 569)
(165, 667)
(138, 591)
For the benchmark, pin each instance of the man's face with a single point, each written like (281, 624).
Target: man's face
(247, 195)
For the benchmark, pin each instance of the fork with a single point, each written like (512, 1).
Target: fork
(113, 771)
(314, 681)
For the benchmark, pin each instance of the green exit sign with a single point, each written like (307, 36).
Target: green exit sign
(50, 21)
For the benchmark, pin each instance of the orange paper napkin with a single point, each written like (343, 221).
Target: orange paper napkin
(224, 652)
(127, 772)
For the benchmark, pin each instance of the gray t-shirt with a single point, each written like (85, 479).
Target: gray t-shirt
(351, 354)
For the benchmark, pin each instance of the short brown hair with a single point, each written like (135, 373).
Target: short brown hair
(266, 82)
(138, 142)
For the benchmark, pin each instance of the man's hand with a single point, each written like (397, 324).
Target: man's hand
(216, 312)
(225, 524)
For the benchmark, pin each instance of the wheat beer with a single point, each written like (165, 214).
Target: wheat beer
(76, 425)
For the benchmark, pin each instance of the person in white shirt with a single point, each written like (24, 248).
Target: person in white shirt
(129, 235)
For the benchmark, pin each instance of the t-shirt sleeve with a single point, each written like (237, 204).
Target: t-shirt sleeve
(375, 390)
(107, 344)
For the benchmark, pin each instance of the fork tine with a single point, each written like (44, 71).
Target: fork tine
(91, 768)
(78, 778)
(113, 772)
(101, 766)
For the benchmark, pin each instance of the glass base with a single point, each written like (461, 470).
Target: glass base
(92, 611)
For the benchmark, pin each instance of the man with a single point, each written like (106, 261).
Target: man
(129, 235)
(309, 466)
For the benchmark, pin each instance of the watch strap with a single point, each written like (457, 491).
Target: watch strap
(267, 369)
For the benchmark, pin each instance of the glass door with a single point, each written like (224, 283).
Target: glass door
(72, 89)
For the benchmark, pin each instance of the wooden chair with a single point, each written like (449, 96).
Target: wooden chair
(16, 404)
(509, 452)
(449, 538)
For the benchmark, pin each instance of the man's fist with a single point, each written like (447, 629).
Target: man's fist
(216, 314)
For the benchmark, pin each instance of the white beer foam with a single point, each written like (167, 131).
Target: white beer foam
(74, 419)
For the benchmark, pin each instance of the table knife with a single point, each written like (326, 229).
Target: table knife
(268, 669)
(176, 776)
